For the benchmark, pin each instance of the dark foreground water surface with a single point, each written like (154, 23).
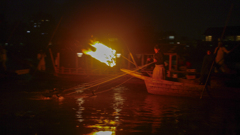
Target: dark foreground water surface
(113, 109)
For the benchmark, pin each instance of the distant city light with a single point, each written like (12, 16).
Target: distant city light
(208, 38)
(28, 31)
(171, 37)
(238, 38)
(178, 42)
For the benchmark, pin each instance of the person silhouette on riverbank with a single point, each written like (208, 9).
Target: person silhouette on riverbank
(206, 68)
(41, 64)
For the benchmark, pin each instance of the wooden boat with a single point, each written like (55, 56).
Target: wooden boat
(184, 89)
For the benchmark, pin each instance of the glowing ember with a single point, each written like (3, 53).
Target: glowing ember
(102, 53)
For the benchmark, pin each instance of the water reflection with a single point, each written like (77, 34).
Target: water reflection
(104, 133)
(101, 121)
(118, 102)
(153, 106)
(80, 101)
(126, 111)
(116, 111)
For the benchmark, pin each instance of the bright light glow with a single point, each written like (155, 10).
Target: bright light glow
(102, 53)
(28, 31)
(79, 54)
(118, 55)
(103, 133)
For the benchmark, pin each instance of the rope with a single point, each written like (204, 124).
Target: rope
(106, 89)
(102, 81)
(115, 86)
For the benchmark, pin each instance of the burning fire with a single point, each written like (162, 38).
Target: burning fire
(102, 53)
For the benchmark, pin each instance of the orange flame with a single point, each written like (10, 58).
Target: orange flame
(102, 53)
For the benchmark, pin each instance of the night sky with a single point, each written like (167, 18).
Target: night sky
(189, 18)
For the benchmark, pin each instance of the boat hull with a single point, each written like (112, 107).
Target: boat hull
(183, 89)
(173, 88)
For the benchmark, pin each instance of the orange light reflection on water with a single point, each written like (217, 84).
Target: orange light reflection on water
(103, 125)
(104, 133)
(80, 101)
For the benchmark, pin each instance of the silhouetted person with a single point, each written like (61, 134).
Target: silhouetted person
(159, 70)
(206, 67)
(41, 64)
(219, 52)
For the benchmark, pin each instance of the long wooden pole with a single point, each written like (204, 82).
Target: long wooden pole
(50, 51)
(132, 58)
(216, 52)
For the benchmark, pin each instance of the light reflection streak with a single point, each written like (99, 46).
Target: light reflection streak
(80, 101)
(104, 133)
(106, 126)
(117, 106)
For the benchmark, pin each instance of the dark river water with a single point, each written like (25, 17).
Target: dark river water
(113, 109)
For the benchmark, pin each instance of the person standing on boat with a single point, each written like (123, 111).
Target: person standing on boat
(159, 70)
(219, 52)
(206, 67)
(41, 64)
